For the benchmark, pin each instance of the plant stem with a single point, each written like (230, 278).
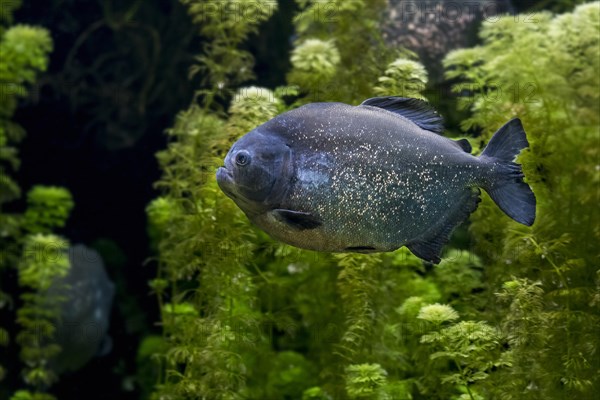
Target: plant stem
(460, 370)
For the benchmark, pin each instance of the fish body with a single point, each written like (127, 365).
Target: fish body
(370, 178)
(81, 331)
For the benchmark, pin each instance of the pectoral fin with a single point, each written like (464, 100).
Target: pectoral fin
(297, 219)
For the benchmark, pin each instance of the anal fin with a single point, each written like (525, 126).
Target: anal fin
(429, 247)
(428, 251)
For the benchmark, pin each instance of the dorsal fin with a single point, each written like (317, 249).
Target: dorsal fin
(415, 110)
(465, 145)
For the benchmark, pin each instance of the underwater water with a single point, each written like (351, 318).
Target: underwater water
(129, 271)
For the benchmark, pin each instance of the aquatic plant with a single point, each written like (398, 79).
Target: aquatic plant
(44, 260)
(403, 77)
(27, 244)
(244, 316)
(48, 208)
(23, 54)
(336, 55)
(364, 380)
(225, 24)
(544, 72)
(314, 61)
(205, 292)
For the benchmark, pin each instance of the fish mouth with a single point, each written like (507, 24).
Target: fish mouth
(223, 174)
(225, 181)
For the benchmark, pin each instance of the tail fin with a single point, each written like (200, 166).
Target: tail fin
(507, 188)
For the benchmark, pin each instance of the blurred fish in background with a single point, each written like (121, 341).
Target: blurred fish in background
(87, 295)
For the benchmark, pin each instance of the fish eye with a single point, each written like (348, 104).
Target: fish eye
(242, 158)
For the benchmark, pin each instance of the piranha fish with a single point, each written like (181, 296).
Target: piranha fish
(81, 330)
(370, 178)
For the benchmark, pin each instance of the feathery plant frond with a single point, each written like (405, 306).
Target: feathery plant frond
(27, 395)
(472, 346)
(314, 61)
(44, 260)
(364, 380)
(23, 55)
(437, 313)
(250, 107)
(47, 208)
(204, 288)
(338, 55)
(546, 74)
(404, 78)
(357, 288)
(26, 242)
(226, 24)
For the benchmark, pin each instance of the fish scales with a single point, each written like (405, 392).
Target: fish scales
(362, 178)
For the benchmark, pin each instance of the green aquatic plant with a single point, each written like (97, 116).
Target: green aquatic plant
(250, 106)
(26, 395)
(224, 64)
(48, 208)
(200, 326)
(222, 283)
(338, 55)
(243, 316)
(11, 80)
(27, 243)
(291, 373)
(437, 313)
(364, 380)
(357, 289)
(315, 393)
(546, 74)
(23, 55)
(314, 61)
(44, 260)
(403, 77)
(204, 288)
(473, 347)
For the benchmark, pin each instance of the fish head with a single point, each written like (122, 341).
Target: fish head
(255, 171)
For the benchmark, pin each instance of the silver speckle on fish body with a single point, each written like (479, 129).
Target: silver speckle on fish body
(334, 177)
